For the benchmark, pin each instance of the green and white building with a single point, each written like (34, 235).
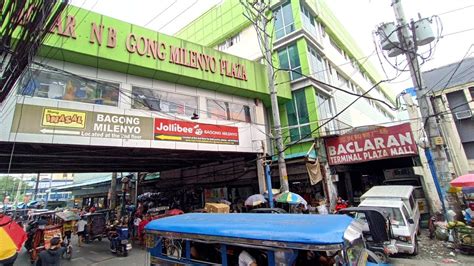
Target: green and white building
(308, 39)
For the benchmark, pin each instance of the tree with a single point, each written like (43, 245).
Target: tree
(8, 187)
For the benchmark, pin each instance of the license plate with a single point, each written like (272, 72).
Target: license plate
(129, 246)
(124, 242)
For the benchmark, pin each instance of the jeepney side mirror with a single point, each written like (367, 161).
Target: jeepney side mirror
(410, 221)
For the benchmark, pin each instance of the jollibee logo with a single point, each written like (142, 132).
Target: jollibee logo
(197, 130)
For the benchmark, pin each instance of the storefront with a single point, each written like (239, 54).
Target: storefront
(367, 158)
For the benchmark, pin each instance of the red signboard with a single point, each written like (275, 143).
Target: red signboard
(173, 130)
(377, 144)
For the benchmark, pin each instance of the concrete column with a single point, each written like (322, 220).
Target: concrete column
(262, 187)
(348, 183)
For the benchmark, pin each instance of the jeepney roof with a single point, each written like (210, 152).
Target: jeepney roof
(290, 228)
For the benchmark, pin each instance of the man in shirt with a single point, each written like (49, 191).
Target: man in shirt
(81, 227)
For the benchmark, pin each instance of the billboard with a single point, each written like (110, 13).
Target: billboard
(376, 144)
(176, 130)
(82, 123)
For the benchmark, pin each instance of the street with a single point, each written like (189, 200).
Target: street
(95, 253)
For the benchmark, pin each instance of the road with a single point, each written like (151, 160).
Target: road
(95, 253)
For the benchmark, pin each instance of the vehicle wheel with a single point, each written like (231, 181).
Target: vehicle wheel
(125, 252)
(382, 256)
(415, 251)
(68, 254)
(99, 238)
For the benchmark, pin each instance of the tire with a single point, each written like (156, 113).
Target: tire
(99, 238)
(382, 256)
(415, 252)
(68, 254)
(125, 252)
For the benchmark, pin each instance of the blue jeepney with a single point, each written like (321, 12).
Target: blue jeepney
(218, 239)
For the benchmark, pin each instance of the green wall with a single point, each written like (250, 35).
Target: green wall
(81, 51)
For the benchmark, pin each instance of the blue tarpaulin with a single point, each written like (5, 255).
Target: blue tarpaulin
(293, 228)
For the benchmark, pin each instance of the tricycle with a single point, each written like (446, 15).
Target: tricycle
(263, 239)
(96, 226)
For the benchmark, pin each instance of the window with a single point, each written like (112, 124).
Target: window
(336, 46)
(317, 65)
(343, 81)
(298, 118)
(471, 91)
(228, 111)
(53, 85)
(284, 23)
(289, 59)
(309, 21)
(229, 42)
(325, 111)
(412, 202)
(166, 102)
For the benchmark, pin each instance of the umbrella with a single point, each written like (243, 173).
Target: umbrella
(12, 237)
(255, 200)
(463, 181)
(68, 216)
(291, 198)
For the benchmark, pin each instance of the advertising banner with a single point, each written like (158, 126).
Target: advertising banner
(377, 144)
(175, 130)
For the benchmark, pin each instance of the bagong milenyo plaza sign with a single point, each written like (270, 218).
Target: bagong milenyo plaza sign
(377, 144)
(81, 123)
(152, 49)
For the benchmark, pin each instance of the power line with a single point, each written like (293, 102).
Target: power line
(163, 11)
(175, 17)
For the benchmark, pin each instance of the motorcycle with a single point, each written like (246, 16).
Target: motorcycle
(119, 243)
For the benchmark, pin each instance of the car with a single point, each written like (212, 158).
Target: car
(268, 210)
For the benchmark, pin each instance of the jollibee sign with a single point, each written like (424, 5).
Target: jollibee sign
(175, 130)
(377, 144)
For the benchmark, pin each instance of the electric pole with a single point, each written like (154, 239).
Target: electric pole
(435, 143)
(261, 23)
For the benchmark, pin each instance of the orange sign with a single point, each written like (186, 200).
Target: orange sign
(63, 118)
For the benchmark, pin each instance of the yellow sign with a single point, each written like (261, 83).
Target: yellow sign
(438, 141)
(63, 118)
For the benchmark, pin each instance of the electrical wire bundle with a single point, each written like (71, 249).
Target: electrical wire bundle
(24, 25)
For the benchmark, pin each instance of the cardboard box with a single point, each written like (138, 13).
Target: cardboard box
(217, 208)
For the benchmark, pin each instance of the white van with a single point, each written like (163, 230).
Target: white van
(403, 193)
(403, 226)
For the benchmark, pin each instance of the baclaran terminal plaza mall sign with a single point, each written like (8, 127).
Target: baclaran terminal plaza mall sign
(81, 123)
(377, 144)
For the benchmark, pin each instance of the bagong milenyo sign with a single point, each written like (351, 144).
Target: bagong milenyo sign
(61, 121)
(175, 130)
(377, 144)
(81, 123)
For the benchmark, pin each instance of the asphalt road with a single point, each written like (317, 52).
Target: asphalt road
(95, 253)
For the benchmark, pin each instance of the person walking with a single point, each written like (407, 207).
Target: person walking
(81, 231)
(51, 256)
(136, 224)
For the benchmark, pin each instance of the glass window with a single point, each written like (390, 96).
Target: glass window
(150, 99)
(228, 111)
(284, 22)
(53, 85)
(317, 64)
(309, 21)
(396, 218)
(412, 202)
(289, 59)
(298, 118)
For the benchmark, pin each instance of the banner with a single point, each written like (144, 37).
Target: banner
(175, 130)
(377, 144)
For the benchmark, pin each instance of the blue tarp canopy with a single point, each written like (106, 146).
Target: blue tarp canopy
(292, 228)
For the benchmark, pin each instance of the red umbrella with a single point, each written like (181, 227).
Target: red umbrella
(463, 181)
(12, 237)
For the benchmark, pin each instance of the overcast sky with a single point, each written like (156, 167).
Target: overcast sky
(359, 16)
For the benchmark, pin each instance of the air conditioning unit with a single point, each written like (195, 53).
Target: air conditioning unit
(463, 114)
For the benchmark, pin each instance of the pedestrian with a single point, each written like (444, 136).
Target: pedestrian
(81, 230)
(136, 223)
(340, 204)
(141, 228)
(51, 256)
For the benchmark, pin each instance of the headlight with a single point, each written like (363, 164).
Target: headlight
(404, 239)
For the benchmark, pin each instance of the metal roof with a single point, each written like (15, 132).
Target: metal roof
(388, 192)
(291, 228)
(95, 181)
(439, 78)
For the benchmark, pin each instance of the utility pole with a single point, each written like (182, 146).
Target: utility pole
(36, 186)
(113, 191)
(261, 10)
(440, 169)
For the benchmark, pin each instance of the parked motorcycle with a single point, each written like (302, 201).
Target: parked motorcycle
(119, 243)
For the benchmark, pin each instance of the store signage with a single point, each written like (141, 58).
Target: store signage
(153, 49)
(63, 118)
(377, 144)
(174, 130)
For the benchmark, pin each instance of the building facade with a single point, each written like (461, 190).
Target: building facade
(453, 89)
(308, 39)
